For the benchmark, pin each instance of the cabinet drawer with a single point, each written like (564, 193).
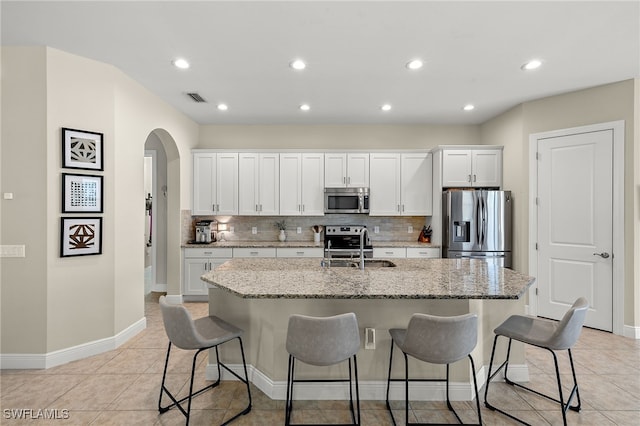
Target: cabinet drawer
(426, 252)
(300, 252)
(208, 252)
(389, 252)
(254, 252)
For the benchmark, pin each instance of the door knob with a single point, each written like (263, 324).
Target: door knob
(603, 255)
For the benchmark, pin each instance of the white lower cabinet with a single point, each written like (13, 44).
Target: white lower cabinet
(389, 252)
(406, 252)
(254, 252)
(300, 252)
(197, 262)
(426, 252)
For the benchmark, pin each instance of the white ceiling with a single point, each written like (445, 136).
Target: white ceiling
(356, 53)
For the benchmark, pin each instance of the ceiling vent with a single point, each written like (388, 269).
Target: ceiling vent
(196, 97)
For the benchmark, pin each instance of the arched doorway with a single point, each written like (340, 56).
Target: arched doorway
(163, 218)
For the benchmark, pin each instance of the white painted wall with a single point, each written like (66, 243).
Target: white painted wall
(612, 102)
(75, 301)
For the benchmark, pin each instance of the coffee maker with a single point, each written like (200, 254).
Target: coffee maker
(205, 231)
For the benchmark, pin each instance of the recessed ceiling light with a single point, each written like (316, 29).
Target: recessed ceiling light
(386, 107)
(531, 65)
(298, 64)
(223, 107)
(181, 63)
(468, 107)
(415, 64)
(305, 107)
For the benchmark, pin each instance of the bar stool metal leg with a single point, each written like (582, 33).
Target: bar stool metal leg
(402, 339)
(546, 334)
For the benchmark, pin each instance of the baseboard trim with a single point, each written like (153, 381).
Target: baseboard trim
(631, 331)
(159, 288)
(369, 390)
(63, 356)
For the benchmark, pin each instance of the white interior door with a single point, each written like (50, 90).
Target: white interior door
(575, 225)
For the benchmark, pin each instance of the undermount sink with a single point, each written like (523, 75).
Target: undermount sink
(368, 263)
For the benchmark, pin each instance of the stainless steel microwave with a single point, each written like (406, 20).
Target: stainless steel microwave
(346, 200)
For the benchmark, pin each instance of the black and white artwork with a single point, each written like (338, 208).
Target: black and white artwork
(82, 149)
(80, 236)
(81, 193)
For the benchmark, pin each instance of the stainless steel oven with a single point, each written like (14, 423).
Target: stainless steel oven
(343, 241)
(346, 200)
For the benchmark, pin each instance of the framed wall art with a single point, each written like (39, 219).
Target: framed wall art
(82, 149)
(81, 193)
(80, 236)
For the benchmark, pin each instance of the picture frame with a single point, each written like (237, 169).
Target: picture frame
(82, 193)
(80, 236)
(82, 149)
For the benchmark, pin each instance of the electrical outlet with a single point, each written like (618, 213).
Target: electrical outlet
(409, 229)
(376, 229)
(369, 338)
(254, 230)
(231, 229)
(298, 230)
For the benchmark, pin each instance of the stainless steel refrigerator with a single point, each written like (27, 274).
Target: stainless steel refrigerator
(477, 224)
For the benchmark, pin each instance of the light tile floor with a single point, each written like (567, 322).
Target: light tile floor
(121, 387)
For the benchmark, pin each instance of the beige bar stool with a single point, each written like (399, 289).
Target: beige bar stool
(547, 334)
(436, 340)
(200, 335)
(323, 341)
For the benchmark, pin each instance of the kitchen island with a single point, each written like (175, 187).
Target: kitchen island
(259, 295)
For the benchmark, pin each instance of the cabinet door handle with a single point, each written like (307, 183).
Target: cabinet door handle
(253, 253)
(349, 180)
(474, 178)
(469, 178)
(403, 208)
(303, 207)
(210, 266)
(388, 252)
(300, 253)
(344, 180)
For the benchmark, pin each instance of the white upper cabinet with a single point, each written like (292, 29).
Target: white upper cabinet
(259, 188)
(343, 170)
(471, 168)
(416, 192)
(384, 191)
(302, 184)
(401, 184)
(215, 184)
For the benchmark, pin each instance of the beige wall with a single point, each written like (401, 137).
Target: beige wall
(24, 173)
(335, 137)
(72, 301)
(590, 106)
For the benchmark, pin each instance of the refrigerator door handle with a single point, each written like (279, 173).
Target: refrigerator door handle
(477, 218)
(484, 220)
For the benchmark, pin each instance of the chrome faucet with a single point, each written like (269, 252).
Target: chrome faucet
(327, 263)
(362, 240)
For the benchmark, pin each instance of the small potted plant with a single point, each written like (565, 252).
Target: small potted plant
(282, 226)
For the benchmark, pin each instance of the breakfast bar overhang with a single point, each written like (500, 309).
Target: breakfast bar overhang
(259, 295)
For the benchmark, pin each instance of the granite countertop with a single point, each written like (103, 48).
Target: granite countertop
(410, 279)
(293, 244)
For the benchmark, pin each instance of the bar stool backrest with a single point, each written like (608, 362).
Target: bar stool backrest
(569, 328)
(323, 341)
(441, 340)
(179, 326)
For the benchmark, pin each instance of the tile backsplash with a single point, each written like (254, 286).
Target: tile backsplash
(391, 228)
